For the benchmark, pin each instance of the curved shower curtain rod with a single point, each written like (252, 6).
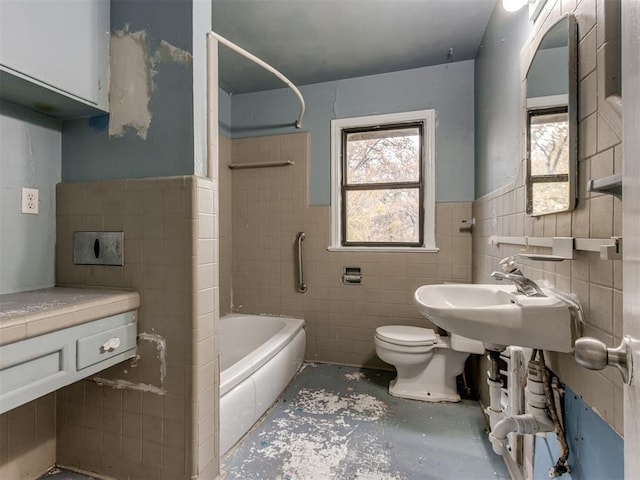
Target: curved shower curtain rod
(267, 67)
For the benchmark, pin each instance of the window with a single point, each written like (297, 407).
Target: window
(383, 182)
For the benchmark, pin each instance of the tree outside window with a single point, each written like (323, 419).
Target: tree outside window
(382, 185)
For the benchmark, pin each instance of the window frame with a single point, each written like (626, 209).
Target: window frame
(427, 193)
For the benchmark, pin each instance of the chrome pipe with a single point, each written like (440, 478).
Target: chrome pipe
(302, 287)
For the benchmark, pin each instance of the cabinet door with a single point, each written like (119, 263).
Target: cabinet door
(63, 44)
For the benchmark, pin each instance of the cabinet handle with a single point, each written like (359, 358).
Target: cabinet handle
(111, 344)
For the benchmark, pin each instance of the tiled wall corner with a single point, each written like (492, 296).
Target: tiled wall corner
(597, 283)
(269, 207)
(206, 292)
(129, 433)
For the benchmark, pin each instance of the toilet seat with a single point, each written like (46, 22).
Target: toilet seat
(406, 336)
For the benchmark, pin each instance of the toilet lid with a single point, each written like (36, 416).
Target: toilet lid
(406, 335)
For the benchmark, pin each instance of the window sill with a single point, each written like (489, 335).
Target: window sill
(385, 249)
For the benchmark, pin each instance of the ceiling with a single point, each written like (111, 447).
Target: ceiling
(313, 41)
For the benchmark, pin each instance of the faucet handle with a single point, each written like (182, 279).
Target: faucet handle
(508, 264)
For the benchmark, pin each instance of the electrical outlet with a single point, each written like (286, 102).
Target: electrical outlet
(30, 200)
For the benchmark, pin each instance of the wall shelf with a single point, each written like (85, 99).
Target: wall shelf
(563, 247)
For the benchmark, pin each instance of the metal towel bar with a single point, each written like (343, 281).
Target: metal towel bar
(562, 247)
(302, 287)
(283, 163)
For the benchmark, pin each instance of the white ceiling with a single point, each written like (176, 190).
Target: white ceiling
(313, 41)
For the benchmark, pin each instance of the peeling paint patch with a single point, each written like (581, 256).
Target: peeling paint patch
(316, 453)
(133, 67)
(169, 53)
(359, 406)
(354, 376)
(130, 84)
(161, 345)
(320, 435)
(122, 384)
(322, 429)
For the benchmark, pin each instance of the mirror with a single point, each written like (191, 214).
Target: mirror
(552, 127)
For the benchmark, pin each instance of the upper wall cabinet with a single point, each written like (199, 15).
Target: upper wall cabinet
(54, 56)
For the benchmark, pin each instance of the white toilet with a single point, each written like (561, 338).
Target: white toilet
(427, 363)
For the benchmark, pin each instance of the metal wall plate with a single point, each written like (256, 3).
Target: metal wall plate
(98, 248)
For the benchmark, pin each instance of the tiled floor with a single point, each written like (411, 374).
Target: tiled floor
(339, 423)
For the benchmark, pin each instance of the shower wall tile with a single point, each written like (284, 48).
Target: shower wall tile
(225, 223)
(597, 283)
(171, 260)
(269, 207)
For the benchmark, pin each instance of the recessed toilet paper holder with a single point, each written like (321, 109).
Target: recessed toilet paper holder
(351, 276)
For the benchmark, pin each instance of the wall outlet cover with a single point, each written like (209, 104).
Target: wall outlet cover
(30, 201)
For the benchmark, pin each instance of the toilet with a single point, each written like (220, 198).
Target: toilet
(427, 364)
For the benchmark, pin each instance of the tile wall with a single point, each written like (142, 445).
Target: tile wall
(597, 283)
(162, 424)
(205, 296)
(269, 207)
(226, 224)
(28, 439)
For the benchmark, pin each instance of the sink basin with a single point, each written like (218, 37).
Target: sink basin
(498, 315)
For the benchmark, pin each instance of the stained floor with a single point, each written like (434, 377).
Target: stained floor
(340, 423)
(55, 473)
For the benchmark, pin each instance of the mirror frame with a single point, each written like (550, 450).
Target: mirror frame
(572, 110)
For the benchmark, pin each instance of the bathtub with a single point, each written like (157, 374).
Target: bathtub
(259, 355)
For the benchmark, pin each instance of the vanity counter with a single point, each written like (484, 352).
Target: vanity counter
(28, 314)
(52, 337)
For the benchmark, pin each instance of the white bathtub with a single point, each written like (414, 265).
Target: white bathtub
(259, 355)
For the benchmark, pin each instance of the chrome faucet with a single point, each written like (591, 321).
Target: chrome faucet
(512, 273)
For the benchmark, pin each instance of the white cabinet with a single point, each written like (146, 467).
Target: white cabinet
(54, 55)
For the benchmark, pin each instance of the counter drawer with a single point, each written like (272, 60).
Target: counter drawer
(101, 346)
(39, 365)
(36, 363)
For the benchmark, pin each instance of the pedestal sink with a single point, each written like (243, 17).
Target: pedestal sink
(498, 315)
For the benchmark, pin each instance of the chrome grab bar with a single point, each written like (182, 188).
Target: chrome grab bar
(302, 287)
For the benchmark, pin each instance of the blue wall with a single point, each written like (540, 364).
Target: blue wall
(446, 88)
(596, 451)
(29, 157)
(497, 92)
(87, 150)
